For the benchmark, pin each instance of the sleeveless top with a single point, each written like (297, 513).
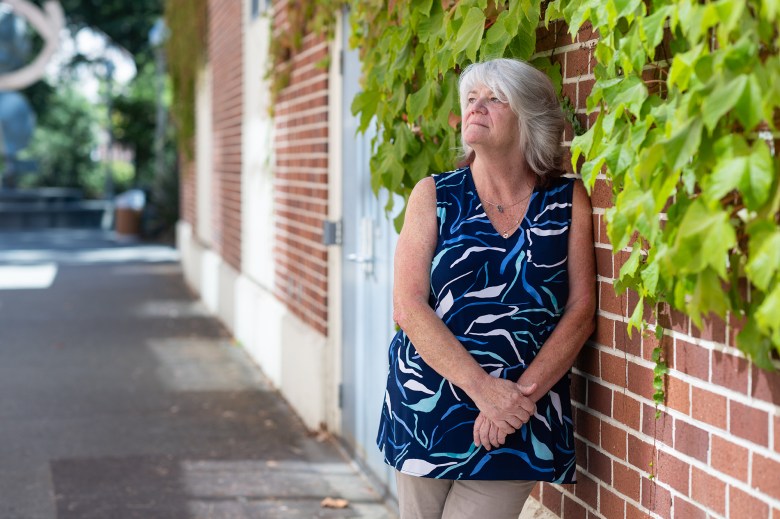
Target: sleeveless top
(501, 298)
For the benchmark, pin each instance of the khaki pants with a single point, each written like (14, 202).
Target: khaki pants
(428, 498)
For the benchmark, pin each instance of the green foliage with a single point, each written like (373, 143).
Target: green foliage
(688, 101)
(64, 139)
(309, 17)
(187, 21)
(126, 23)
(412, 53)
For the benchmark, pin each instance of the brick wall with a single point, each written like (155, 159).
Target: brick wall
(301, 181)
(715, 450)
(225, 55)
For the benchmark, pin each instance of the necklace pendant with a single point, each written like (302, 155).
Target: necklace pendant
(500, 208)
(505, 235)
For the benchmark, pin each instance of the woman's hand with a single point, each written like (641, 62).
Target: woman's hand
(504, 407)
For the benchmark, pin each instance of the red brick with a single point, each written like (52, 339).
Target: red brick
(633, 512)
(766, 385)
(678, 395)
(713, 329)
(659, 428)
(631, 345)
(536, 493)
(605, 328)
(766, 475)
(551, 498)
(585, 88)
(613, 369)
(708, 407)
(730, 371)
(604, 262)
(627, 480)
(640, 380)
(656, 498)
(599, 465)
(708, 490)
(749, 423)
(610, 505)
(599, 398)
(588, 360)
(601, 195)
(691, 440)
(553, 37)
(588, 426)
(746, 505)
(641, 454)
(777, 435)
(608, 301)
(673, 471)
(613, 440)
(691, 359)
(729, 458)
(581, 451)
(684, 508)
(626, 410)
(577, 62)
(573, 510)
(587, 489)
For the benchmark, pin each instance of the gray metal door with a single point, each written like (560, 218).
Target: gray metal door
(367, 326)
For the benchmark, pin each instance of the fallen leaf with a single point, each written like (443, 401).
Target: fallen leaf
(331, 502)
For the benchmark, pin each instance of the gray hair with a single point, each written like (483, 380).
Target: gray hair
(531, 96)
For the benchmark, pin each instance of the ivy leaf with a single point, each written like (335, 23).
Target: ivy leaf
(708, 296)
(752, 175)
(766, 315)
(632, 263)
(652, 29)
(635, 321)
(721, 100)
(419, 101)
(755, 344)
(365, 103)
(649, 277)
(683, 144)
(704, 238)
(470, 33)
(748, 107)
(764, 260)
(496, 39)
(682, 67)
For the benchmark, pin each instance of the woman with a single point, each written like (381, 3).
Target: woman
(494, 295)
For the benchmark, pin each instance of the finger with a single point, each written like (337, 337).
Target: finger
(494, 436)
(484, 434)
(475, 432)
(502, 438)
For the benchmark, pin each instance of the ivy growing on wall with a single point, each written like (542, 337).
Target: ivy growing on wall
(688, 101)
(187, 21)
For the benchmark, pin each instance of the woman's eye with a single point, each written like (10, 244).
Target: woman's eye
(471, 100)
(495, 100)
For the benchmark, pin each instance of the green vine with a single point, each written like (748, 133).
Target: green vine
(306, 17)
(186, 50)
(688, 102)
(690, 155)
(412, 53)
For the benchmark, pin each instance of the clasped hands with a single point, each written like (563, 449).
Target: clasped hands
(504, 407)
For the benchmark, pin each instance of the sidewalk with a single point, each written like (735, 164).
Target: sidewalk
(121, 397)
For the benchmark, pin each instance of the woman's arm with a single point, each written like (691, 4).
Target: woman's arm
(500, 400)
(558, 353)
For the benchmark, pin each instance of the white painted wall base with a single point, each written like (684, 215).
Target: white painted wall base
(289, 352)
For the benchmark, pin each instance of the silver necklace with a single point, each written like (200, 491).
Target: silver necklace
(501, 207)
(514, 226)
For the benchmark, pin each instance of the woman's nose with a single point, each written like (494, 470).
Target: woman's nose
(478, 105)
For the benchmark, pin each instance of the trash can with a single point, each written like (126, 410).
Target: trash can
(129, 207)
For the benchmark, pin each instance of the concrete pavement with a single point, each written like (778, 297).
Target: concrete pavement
(121, 397)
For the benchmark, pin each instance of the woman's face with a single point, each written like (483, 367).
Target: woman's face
(489, 123)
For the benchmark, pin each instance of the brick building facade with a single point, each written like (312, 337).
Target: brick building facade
(714, 451)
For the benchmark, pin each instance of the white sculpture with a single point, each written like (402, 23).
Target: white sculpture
(48, 22)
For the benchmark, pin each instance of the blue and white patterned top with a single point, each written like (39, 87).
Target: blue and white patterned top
(501, 298)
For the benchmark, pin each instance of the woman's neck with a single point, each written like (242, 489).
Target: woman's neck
(502, 177)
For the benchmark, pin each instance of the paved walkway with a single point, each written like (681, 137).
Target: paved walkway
(120, 397)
